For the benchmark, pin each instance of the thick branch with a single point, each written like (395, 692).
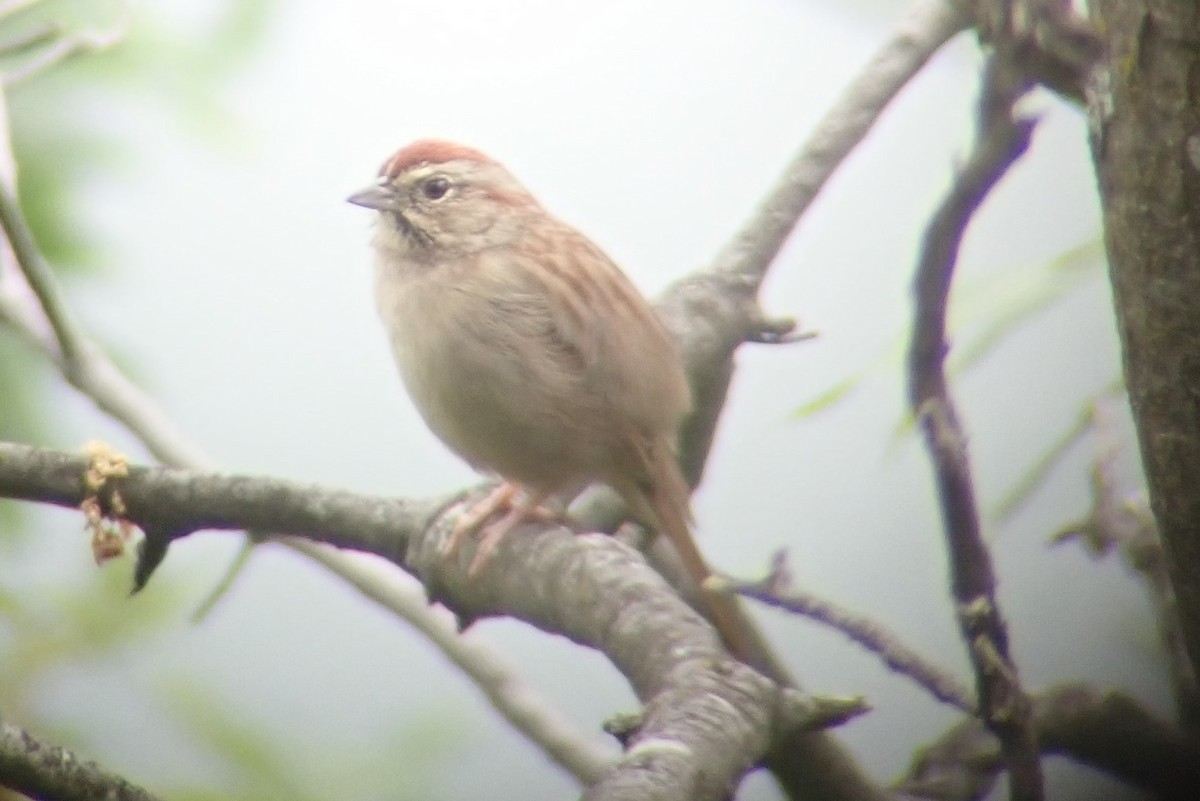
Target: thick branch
(96, 376)
(1145, 114)
(815, 766)
(172, 502)
(713, 312)
(1000, 142)
(1108, 731)
(1051, 42)
(720, 715)
(40, 770)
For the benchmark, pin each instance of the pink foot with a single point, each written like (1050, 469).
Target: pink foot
(526, 508)
(478, 514)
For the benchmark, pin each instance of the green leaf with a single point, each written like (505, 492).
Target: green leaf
(240, 560)
(1021, 491)
(830, 396)
(986, 311)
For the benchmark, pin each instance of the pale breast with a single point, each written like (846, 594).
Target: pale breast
(473, 358)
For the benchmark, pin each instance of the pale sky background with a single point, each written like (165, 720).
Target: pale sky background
(240, 289)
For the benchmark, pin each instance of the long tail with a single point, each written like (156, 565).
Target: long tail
(667, 496)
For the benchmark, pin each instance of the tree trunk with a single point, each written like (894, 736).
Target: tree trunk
(1144, 104)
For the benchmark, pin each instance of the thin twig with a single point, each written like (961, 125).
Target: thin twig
(103, 381)
(116, 394)
(1123, 521)
(1000, 141)
(927, 26)
(222, 588)
(66, 47)
(822, 768)
(41, 280)
(1024, 487)
(1054, 44)
(100, 380)
(97, 377)
(897, 656)
(526, 709)
(721, 714)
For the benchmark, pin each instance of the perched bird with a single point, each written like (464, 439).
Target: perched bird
(527, 351)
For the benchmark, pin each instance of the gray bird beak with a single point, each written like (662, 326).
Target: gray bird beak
(380, 198)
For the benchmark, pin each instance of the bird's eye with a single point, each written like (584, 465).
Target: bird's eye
(436, 187)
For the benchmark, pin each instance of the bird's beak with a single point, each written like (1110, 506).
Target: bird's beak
(378, 197)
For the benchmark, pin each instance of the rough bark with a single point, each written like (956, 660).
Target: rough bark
(1144, 104)
(40, 770)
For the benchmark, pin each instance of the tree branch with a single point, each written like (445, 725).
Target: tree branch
(37, 769)
(170, 502)
(1109, 731)
(928, 25)
(522, 705)
(777, 590)
(28, 39)
(66, 46)
(41, 281)
(97, 377)
(1000, 141)
(1122, 521)
(719, 715)
(812, 765)
(1145, 119)
(1051, 42)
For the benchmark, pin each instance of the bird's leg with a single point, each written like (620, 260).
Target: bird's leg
(528, 507)
(478, 513)
(525, 507)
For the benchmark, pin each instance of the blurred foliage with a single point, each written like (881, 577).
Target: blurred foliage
(238, 566)
(24, 383)
(171, 67)
(263, 765)
(61, 130)
(258, 762)
(175, 70)
(72, 624)
(1016, 496)
(984, 312)
(168, 65)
